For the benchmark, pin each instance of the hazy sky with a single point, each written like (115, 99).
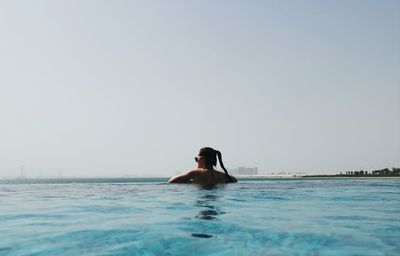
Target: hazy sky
(115, 88)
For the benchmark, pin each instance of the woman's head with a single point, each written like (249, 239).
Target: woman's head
(210, 156)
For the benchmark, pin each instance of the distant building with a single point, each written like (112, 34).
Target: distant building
(244, 171)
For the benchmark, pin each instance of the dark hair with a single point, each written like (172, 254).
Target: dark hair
(210, 157)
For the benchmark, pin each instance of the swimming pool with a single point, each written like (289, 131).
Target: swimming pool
(262, 217)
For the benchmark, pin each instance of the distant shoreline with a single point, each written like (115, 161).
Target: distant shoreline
(91, 180)
(260, 176)
(312, 176)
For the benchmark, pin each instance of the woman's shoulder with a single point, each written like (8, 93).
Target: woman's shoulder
(185, 177)
(196, 172)
(230, 179)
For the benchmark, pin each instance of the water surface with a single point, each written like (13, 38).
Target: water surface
(151, 217)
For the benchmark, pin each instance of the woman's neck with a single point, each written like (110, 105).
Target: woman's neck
(203, 166)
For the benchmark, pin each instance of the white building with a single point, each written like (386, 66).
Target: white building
(244, 171)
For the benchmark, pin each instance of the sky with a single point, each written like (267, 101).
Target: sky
(116, 88)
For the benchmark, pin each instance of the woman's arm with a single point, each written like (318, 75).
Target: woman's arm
(233, 179)
(183, 178)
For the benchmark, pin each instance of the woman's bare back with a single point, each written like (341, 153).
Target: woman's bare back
(203, 177)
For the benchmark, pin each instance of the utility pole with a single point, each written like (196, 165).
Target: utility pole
(22, 172)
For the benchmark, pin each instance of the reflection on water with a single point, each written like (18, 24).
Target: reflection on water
(201, 235)
(208, 207)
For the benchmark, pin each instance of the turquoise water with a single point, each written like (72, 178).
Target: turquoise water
(150, 217)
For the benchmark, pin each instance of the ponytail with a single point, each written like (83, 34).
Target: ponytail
(222, 165)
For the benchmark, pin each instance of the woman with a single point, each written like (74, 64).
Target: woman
(205, 173)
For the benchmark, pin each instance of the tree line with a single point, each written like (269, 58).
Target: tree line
(383, 172)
